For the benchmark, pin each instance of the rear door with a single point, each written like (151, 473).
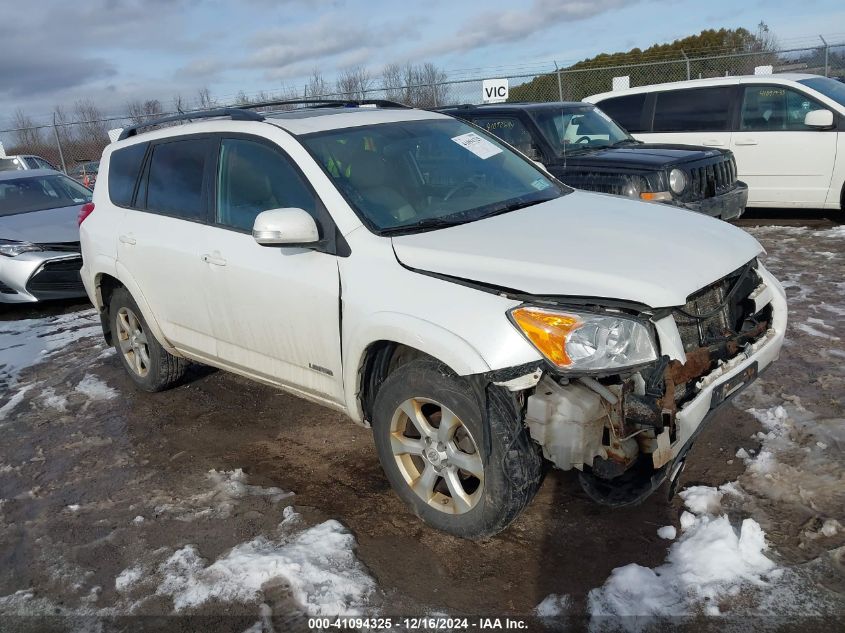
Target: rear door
(161, 242)
(784, 163)
(692, 116)
(276, 310)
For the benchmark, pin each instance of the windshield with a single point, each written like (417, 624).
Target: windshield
(577, 129)
(830, 88)
(21, 195)
(412, 175)
(11, 164)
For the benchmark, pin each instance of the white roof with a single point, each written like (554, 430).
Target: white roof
(695, 83)
(307, 120)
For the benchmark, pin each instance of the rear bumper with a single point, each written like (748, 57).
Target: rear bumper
(40, 276)
(727, 206)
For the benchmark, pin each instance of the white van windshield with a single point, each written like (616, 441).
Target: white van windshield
(830, 88)
(411, 176)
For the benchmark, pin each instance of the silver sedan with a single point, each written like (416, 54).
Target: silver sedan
(39, 235)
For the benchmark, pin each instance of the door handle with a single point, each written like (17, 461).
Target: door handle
(746, 141)
(712, 143)
(127, 239)
(214, 260)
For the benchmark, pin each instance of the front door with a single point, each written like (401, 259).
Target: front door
(783, 162)
(275, 310)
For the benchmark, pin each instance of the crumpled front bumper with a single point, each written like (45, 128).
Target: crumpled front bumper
(727, 206)
(763, 352)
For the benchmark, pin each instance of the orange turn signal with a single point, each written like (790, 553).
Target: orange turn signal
(548, 331)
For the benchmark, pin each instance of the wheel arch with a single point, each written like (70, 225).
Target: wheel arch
(382, 348)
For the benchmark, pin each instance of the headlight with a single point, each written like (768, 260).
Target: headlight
(10, 248)
(632, 188)
(677, 181)
(581, 341)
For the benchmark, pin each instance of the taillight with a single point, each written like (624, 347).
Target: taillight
(84, 211)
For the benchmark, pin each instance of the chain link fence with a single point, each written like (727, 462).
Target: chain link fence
(72, 144)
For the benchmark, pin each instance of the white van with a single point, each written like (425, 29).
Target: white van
(786, 131)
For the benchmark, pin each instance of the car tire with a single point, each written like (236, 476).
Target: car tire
(459, 472)
(150, 366)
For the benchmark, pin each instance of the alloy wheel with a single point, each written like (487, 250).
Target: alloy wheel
(437, 455)
(133, 341)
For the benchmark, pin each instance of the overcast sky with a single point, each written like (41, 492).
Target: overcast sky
(111, 51)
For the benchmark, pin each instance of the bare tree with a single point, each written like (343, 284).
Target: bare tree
(317, 86)
(432, 89)
(179, 104)
(204, 100)
(392, 83)
(354, 83)
(92, 130)
(139, 112)
(27, 136)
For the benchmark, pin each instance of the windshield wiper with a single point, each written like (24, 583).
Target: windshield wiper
(510, 206)
(424, 224)
(625, 141)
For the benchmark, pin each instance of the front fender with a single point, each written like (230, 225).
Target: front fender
(412, 331)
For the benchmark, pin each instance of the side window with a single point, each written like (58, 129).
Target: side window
(775, 108)
(693, 110)
(627, 111)
(175, 182)
(511, 130)
(32, 163)
(253, 177)
(124, 167)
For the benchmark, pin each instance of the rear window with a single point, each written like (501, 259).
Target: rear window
(698, 109)
(176, 178)
(124, 167)
(627, 111)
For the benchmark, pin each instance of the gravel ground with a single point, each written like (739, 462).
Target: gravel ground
(243, 508)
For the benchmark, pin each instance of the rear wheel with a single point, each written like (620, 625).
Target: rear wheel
(148, 364)
(431, 442)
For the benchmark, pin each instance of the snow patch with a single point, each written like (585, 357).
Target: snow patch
(27, 342)
(553, 606)
(128, 578)
(709, 562)
(95, 389)
(13, 402)
(667, 532)
(228, 487)
(318, 564)
(52, 400)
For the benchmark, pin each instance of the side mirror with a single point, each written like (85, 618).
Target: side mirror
(819, 119)
(285, 227)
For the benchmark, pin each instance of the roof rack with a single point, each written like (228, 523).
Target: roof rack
(328, 103)
(236, 114)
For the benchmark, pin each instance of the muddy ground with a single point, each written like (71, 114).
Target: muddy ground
(79, 466)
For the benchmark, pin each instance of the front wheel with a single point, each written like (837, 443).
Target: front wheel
(456, 475)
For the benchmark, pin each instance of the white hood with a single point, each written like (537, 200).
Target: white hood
(587, 245)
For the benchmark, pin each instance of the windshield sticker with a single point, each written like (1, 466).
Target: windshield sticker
(479, 146)
(540, 184)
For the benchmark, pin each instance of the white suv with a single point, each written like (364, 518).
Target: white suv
(416, 273)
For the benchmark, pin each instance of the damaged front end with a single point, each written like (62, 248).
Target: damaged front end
(621, 429)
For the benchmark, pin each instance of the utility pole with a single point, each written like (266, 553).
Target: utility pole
(559, 84)
(59, 144)
(826, 53)
(687, 59)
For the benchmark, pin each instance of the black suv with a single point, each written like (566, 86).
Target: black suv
(585, 148)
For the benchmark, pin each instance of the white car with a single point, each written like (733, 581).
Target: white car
(786, 131)
(417, 274)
